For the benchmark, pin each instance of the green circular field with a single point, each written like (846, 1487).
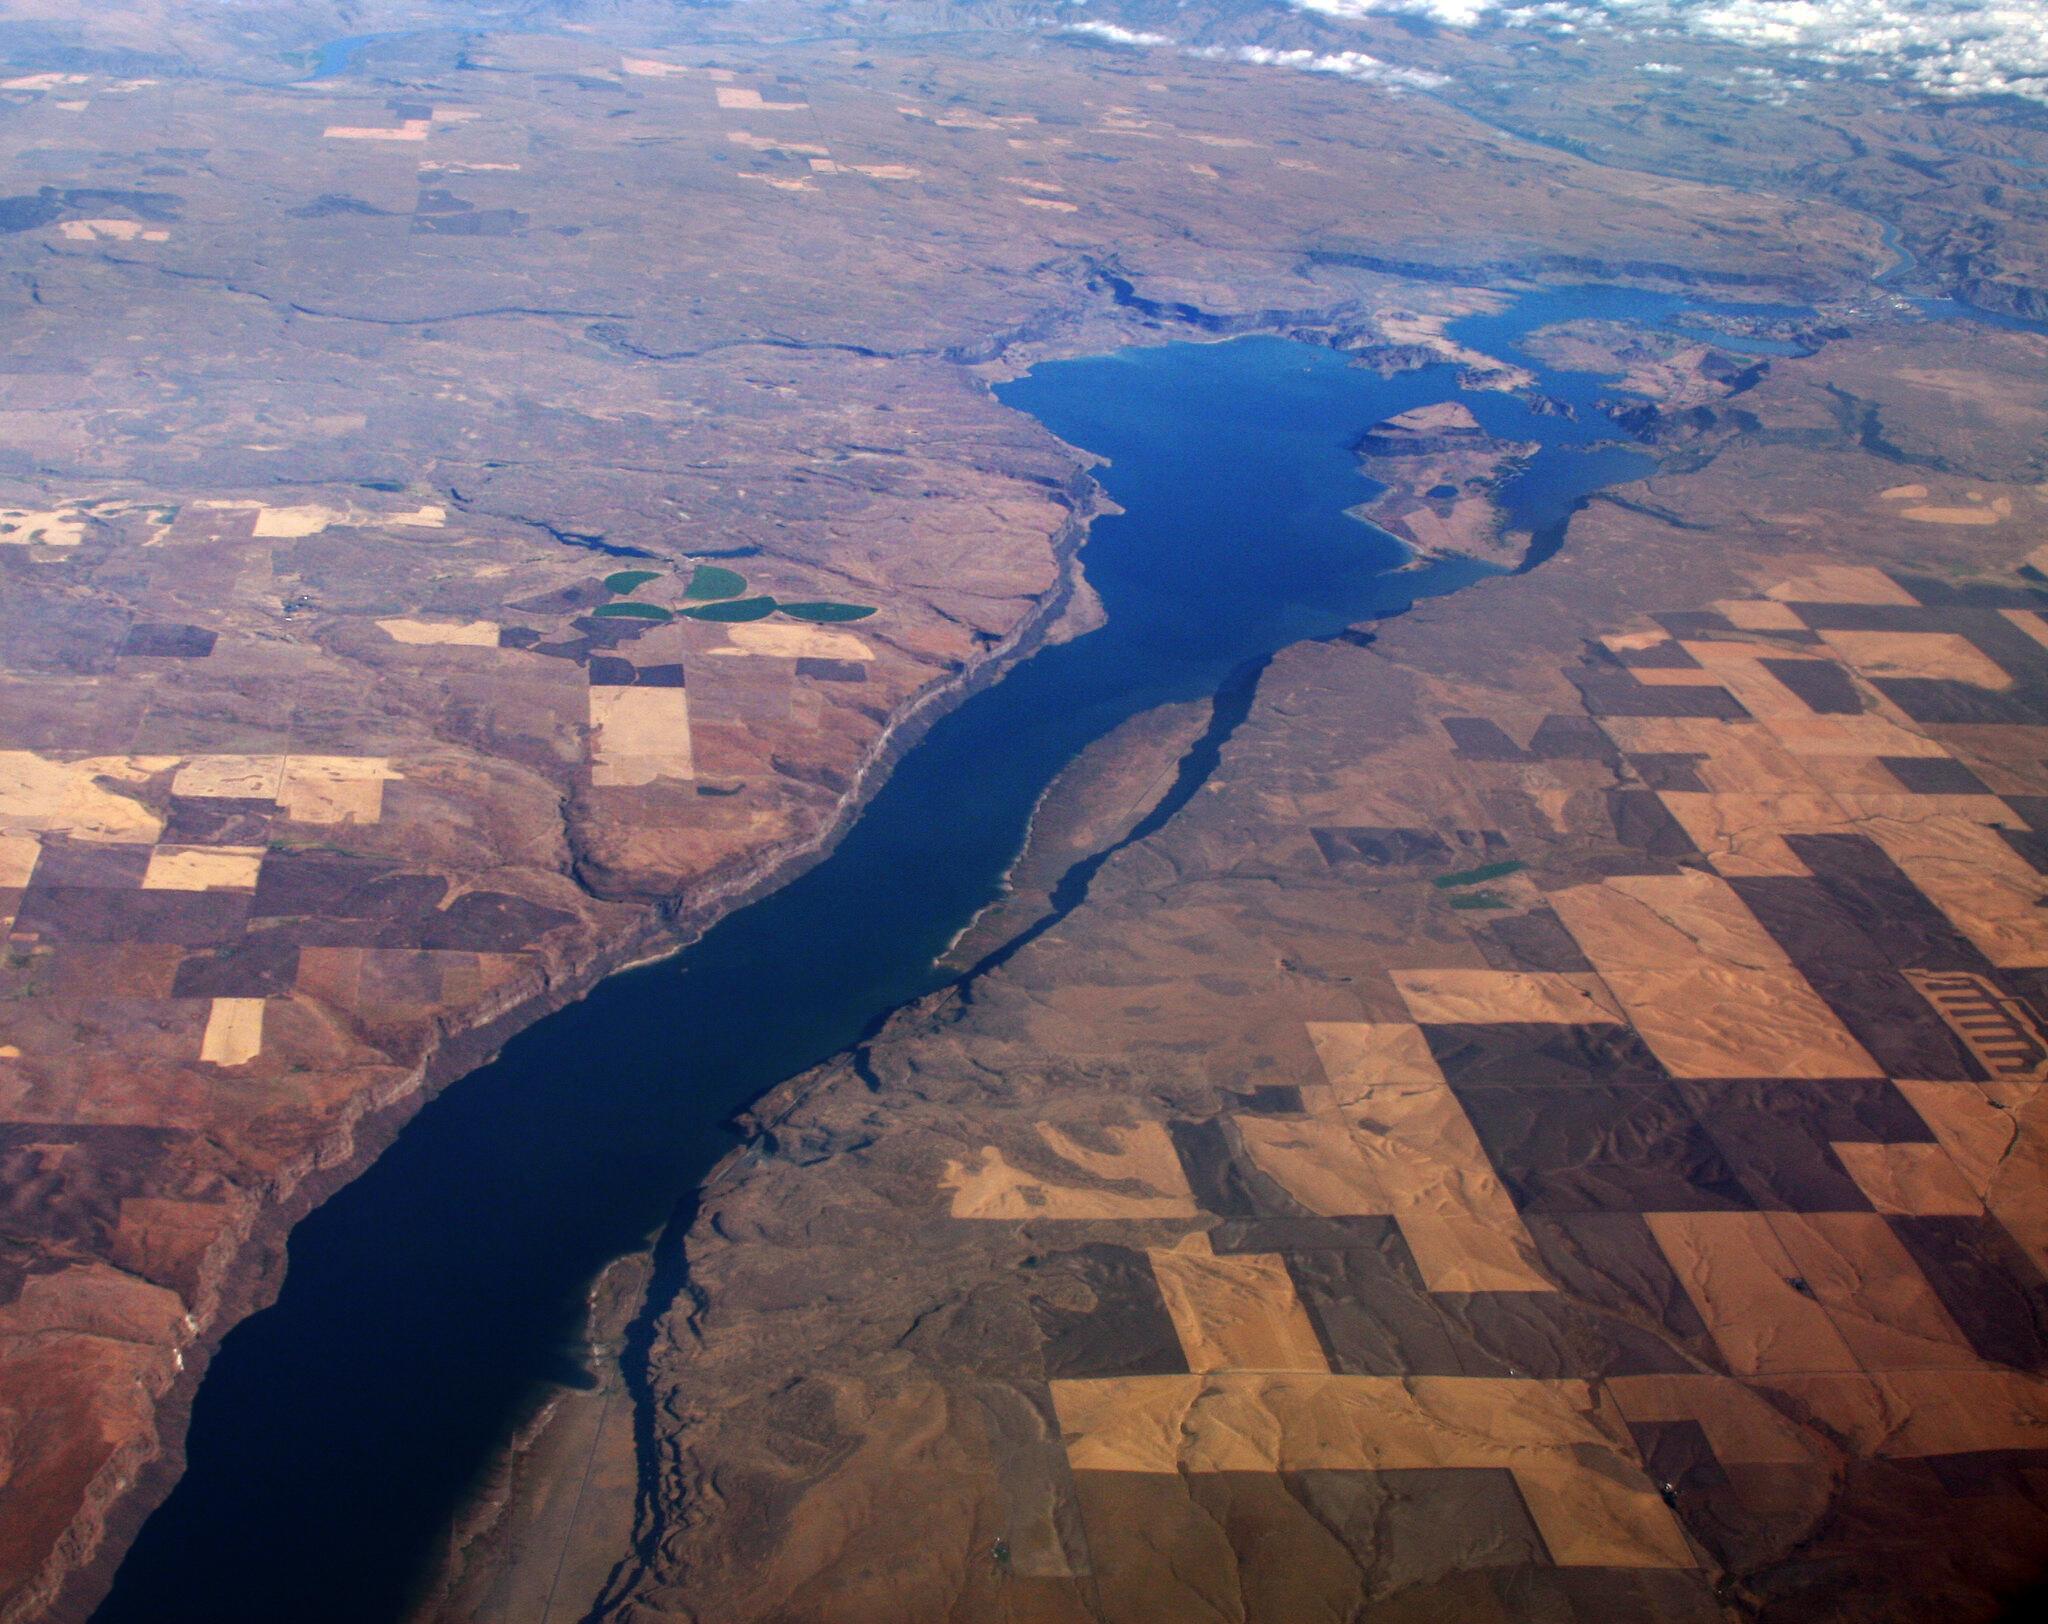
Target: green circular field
(827, 611)
(733, 609)
(715, 581)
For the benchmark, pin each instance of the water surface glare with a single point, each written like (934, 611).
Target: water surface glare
(431, 1301)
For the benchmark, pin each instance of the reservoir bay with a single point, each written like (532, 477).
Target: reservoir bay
(433, 1302)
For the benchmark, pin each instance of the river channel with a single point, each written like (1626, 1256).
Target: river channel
(431, 1302)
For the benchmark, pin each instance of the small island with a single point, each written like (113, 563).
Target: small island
(1441, 470)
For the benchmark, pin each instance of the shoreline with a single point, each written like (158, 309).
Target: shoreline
(80, 1571)
(489, 1515)
(72, 1589)
(723, 1399)
(481, 1524)
(766, 996)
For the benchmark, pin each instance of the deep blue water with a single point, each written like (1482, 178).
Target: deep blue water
(430, 1302)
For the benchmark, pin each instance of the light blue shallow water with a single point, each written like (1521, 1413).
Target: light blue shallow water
(339, 56)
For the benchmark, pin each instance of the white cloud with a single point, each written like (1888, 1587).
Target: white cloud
(1958, 46)
(1953, 45)
(1452, 13)
(1345, 64)
(1115, 35)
